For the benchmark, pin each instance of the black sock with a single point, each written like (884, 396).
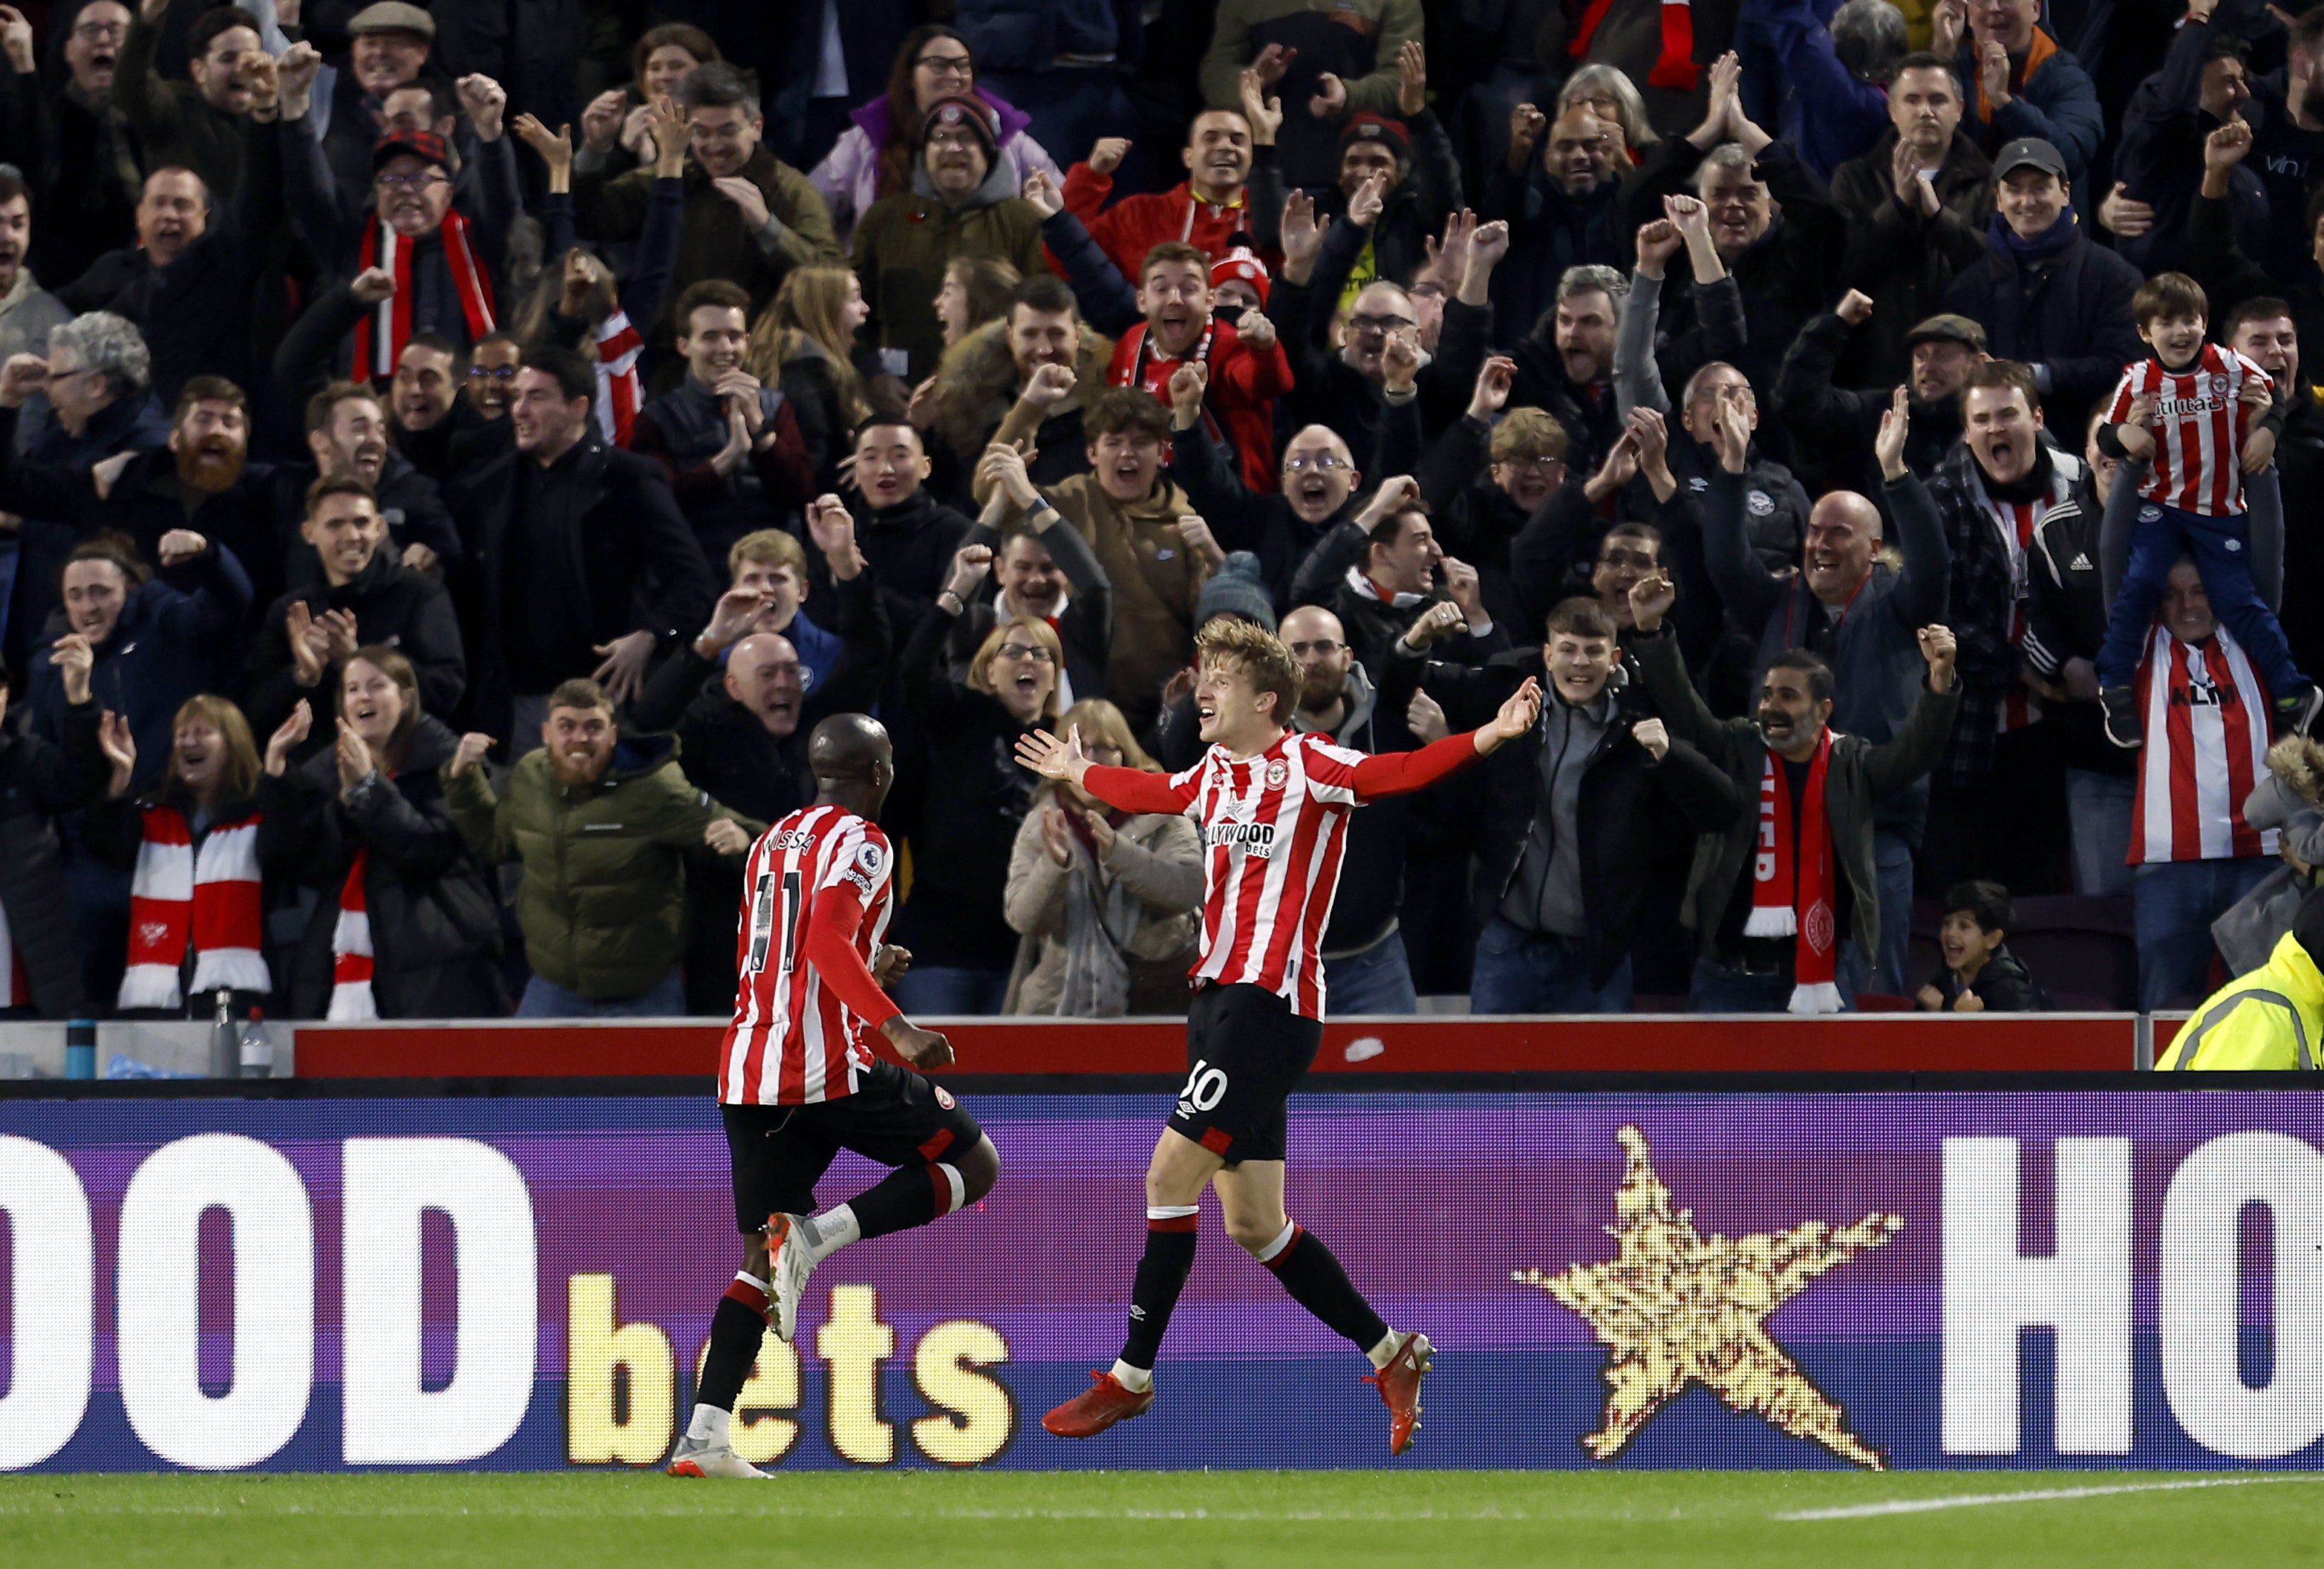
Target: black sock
(906, 1197)
(1161, 1275)
(1317, 1282)
(736, 1331)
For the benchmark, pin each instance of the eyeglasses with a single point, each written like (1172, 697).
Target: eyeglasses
(1531, 465)
(1322, 645)
(1380, 323)
(391, 183)
(1321, 462)
(1038, 654)
(497, 373)
(961, 139)
(97, 31)
(947, 65)
(1638, 561)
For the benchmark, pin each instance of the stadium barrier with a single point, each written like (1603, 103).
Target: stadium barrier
(2114, 1276)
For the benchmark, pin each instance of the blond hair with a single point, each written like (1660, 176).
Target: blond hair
(1257, 652)
(980, 667)
(811, 305)
(770, 545)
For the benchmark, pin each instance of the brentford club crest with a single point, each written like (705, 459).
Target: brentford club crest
(1277, 775)
(1818, 927)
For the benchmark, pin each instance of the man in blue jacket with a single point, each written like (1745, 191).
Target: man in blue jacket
(2018, 81)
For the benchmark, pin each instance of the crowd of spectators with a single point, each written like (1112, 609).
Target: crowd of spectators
(453, 454)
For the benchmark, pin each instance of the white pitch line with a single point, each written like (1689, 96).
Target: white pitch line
(1980, 1500)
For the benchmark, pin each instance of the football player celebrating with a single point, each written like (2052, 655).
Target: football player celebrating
(798, 1084)
(1273, 804)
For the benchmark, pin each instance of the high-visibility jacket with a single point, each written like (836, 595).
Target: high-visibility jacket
(2273, 1018)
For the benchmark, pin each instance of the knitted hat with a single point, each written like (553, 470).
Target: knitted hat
(1371, 127)
(1236, 589)
(973, 113)
(1241, 264)
(425, 146)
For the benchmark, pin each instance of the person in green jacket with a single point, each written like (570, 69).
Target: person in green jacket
(602, 830)
(2273, 1018)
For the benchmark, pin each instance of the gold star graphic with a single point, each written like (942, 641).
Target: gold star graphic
(1672, 1309)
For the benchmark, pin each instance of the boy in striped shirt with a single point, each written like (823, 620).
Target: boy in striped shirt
(1273, 804)
(2201, 413)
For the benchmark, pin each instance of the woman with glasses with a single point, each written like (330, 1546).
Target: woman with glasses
(1107, 900)
(972, 798)
(876, 155)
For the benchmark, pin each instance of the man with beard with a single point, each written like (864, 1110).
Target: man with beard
(583, 562)
(1206, 210)
(1039, 569)
(743, 728)
(362, 596)
(196, 125)
(2227, 272)
(731, 448)
(964, 202)
(1767, 223)
(1859, 618)
(2158, 155)
(445, 265)
(1561, 214)
(992, 386)
(603, 825)
(100, 403)
(1788, 902)
(907, 535)
(1832, 427)
(200, 481)
(1993, 491)
(348, 436)
(70, 140)
(1566, 364)
(1281, 527)
(1916, 205)
(2046, 296)
(2289, 139)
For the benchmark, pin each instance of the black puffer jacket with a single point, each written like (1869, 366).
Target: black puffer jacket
(38, 780)
(434, 921)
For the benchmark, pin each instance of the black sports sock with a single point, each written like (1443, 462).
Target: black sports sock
(906, 1197)
(1313, 1276)
(736, 1330)
(1162, 1274)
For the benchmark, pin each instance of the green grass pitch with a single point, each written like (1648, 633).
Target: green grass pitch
(1182, 1519)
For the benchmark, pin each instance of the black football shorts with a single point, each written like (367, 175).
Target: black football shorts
(895, 1117)
(1246, 1050)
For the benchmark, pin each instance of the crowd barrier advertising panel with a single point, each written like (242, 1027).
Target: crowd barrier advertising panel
(2093, 1278)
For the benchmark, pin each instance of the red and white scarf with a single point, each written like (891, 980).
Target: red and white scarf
(211, 900)
(1674, 67)
(1797, 900)
(621, 393)
(351, 951)
(381, 335)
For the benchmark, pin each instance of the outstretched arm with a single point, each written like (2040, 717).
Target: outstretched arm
(1397, 773)
(1132, 789)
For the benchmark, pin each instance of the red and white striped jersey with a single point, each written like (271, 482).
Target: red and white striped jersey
(2200, 422)
(2207, 733)
(1273, 828)
(2016, 522)
(793, 1041)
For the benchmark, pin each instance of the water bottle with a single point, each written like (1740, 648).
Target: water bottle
(257, 1047)
(225, 1051)
(81, 1048)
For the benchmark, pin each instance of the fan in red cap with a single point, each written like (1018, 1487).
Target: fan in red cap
(1238, 283)
(411, 174)
(1245, 366)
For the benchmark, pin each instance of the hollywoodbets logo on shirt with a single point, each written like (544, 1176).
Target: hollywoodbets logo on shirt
(1254, 838)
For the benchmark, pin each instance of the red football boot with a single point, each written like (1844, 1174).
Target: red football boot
(1097, 1408)
(1400, 1388)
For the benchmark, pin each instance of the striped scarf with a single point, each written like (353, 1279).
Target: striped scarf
(351, 950)
(621, 393)
(210, 901)
(381, 335)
